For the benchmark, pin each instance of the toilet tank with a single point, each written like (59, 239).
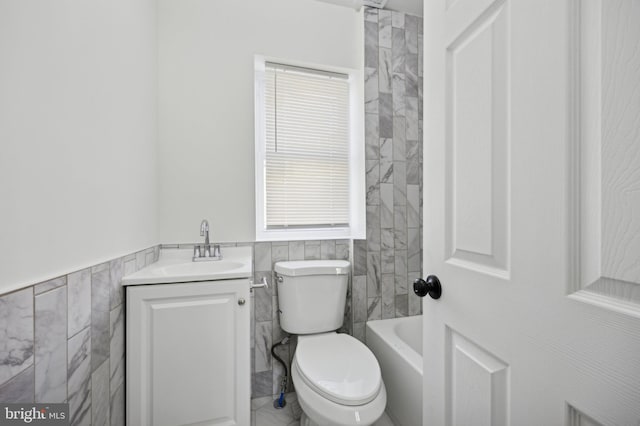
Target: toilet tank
(312, 295)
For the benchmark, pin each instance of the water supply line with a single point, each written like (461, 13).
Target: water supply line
(280, 402)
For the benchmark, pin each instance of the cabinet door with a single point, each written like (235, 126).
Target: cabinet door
(188, 354)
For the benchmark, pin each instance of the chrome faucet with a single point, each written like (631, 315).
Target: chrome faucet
(202, 253)
(204, 232)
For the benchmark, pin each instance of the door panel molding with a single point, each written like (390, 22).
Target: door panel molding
(605, 155)
(477, 161)
(576, 417)
(477, 384)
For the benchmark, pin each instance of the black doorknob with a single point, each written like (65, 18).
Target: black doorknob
(431, 287)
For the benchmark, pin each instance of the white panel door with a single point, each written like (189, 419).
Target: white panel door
(188, 354)
(532, 212)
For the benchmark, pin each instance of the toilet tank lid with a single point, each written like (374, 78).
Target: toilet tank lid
(297, 268)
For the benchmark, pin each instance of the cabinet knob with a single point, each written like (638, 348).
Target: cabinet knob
(241, 301)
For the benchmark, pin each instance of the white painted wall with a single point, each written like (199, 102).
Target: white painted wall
(206, 99)
(77, 135)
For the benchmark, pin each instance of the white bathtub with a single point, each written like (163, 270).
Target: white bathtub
(397, 343)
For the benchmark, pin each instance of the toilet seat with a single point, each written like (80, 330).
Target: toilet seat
(321, 411)
(339, 368)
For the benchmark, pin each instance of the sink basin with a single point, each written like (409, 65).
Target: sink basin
(198, 268)
(175, 266)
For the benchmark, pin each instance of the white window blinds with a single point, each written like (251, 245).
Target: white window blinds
(307, 148)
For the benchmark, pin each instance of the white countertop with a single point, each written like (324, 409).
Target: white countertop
(176, 265)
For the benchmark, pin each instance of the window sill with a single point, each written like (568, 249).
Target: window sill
(306, 234)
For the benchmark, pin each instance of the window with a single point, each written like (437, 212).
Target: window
(305, 153)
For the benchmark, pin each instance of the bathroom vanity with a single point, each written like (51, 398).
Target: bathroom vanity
(188, 340)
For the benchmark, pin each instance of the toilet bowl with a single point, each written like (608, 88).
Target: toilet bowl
(337, 381)
(337, 378)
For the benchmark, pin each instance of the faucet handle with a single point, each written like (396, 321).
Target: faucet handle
(216, 251)
(196, 252)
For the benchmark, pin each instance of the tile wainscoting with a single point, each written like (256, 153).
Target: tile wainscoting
(63, 341)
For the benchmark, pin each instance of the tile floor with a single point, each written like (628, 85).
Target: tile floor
(263, 413)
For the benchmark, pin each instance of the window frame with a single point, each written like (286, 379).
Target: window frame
(356, 228)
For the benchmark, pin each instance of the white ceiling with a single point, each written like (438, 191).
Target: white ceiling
(414, 7)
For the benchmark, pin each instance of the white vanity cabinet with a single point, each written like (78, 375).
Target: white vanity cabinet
(188, 353)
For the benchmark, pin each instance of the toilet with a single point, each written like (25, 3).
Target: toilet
(336, 377)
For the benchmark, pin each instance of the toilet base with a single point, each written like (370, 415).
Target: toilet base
(305, 420)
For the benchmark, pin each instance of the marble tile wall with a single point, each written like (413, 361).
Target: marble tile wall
(63, 341)
(387, 262)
